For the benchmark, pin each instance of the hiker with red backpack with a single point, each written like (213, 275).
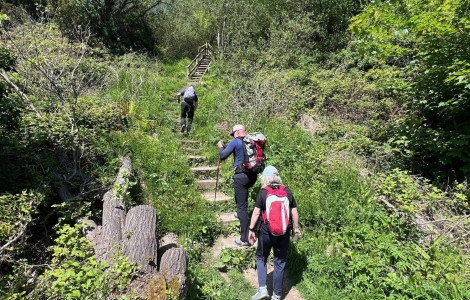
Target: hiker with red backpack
(278, 209)
(188, 107)
(248, 161)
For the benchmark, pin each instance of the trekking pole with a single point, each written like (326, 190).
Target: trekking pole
(217, 179)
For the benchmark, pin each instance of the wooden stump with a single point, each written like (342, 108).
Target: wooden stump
(139, 241)
(114, 214)
(168, 241)
(174, 266)
(136, 234)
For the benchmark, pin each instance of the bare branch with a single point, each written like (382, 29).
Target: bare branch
(19, 234)
(31, 105)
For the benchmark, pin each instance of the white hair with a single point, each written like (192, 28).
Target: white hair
(270, 180)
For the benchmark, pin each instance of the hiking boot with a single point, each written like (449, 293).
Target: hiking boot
(243, 244)
(183, 127)
(262, 293)
(275, 297)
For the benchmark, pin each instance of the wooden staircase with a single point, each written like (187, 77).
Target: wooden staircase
(200, 65)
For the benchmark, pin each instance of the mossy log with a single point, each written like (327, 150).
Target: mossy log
(174, 266)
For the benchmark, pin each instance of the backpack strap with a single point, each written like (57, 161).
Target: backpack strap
(269, 189)
(265, 214)
(240, 164)
(278, 192)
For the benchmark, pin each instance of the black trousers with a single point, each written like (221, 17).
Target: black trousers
(187, 110)
(241, 183)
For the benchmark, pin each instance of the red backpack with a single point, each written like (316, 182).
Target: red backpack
(277, 210)
(253, 152)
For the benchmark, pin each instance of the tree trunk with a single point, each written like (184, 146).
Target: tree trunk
(168, 241)
(140, 239)
(174, 266)
(114, 213)
(136, 232)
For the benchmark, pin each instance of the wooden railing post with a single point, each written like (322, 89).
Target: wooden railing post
(203, 51)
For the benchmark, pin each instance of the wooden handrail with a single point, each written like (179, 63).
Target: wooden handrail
(204, 50)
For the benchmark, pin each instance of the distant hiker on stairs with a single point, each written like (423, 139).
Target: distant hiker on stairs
(277, 206)
(188, 107)
(241, 181)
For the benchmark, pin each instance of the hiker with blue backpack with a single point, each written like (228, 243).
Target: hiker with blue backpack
(276, 205)
(188, 107)
(248, 161)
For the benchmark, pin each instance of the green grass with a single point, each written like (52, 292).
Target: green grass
(352, 248)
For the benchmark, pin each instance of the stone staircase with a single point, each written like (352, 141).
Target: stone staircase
(205, 174)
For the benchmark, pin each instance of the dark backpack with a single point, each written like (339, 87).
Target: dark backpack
(253, 150)
(189, 95)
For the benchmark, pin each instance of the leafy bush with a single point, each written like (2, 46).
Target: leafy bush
(76, 274)
(118, 25)
(238, 259)
(428, 40)
(17, 213)
(209, 285)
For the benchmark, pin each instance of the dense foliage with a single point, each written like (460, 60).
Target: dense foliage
(358, 99)
(120, 25)
(430, 41)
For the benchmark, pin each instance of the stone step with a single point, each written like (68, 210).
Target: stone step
(197, 157)
(227, 218)
(209, 196)
(203, 170)
(192, 150)
(224, 242)
(206, 184)
(190, 142)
